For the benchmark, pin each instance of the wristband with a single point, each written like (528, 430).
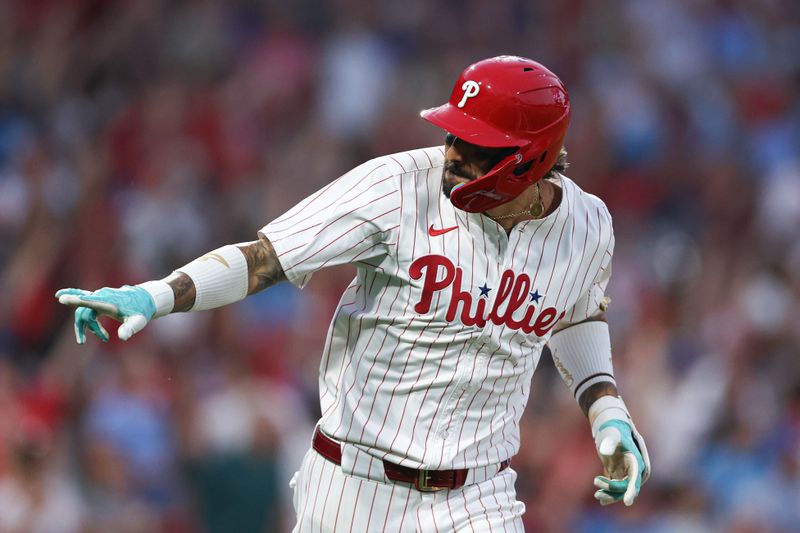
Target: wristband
(607, 408)
(162, 295)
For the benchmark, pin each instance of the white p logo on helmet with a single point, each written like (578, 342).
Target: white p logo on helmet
(470, 88)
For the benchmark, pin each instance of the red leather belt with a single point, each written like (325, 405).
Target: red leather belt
(423, 480)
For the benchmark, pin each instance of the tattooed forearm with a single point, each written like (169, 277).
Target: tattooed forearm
(262, 265)
(183, 287)
(604, 388)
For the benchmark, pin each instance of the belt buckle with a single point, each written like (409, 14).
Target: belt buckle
(423, 478)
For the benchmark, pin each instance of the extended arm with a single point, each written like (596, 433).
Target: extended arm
(218, 278)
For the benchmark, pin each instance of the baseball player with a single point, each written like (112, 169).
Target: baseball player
(470, 258)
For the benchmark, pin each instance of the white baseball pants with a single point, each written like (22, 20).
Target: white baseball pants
(327, 500)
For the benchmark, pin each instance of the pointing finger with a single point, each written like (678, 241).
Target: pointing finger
(99, 304)
(91, 302)
(73, 292)
(130, 326)
(70, 299)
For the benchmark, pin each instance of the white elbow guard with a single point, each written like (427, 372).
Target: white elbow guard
(220, 277)
(582, 355)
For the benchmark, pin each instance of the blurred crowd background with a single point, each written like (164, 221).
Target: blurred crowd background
(136, 135)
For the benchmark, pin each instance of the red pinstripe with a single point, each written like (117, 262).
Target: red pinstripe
(343, 252)
(455, 406)
(599, 239)
(361, 193)
(302, 205)
(555, 256)
(327, 353)
(383, 380)
(433, 520)
(388, 509)
(325, 503)
(398, 164)
(450, 512)
(366, 345)
(369, 372)
(405, 511)
(494, 495)
(474, 397)
(399, 381)
(583, 257)
(355, 505)
(360, 358)
(371, 507)
(339, 506)
(391, 357)
(485, 511)
(523, 374)
(279, 239)
(316, 458)
(334, 202)
(439, 403)
(424, 397)
(332, 222)
(405, 403)
(569, 263)
(490, 444)
(334, 240)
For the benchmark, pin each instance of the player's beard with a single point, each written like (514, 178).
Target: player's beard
(449, 183)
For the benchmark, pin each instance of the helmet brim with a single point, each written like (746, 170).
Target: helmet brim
(468, 128)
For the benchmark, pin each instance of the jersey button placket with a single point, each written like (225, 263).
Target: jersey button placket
(452, 414)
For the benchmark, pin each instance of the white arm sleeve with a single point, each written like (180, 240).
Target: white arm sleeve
(220, 277)
(582, 355)
(354, 218)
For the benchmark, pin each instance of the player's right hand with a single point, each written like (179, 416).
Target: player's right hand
(131, 305)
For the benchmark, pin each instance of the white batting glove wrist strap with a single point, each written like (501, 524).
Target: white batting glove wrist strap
(582, 354)
(162, 295)
(607, 408)
(220, 277)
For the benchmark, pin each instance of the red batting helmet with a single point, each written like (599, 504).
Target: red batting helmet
(505, 101)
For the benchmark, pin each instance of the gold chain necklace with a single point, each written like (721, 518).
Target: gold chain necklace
(535, 209)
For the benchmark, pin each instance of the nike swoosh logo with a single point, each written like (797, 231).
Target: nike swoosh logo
(433, 232)
(215, 257)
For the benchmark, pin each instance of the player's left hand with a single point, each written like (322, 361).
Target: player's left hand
(625, 460)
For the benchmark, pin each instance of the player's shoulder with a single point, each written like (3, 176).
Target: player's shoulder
(590, 213)
(410, 161)
(386, 172)
(584, 202)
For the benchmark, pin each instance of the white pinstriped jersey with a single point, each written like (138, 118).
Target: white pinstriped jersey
(430, 354)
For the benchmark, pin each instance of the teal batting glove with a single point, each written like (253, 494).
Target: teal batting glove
(622, 450)
(134, 306)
